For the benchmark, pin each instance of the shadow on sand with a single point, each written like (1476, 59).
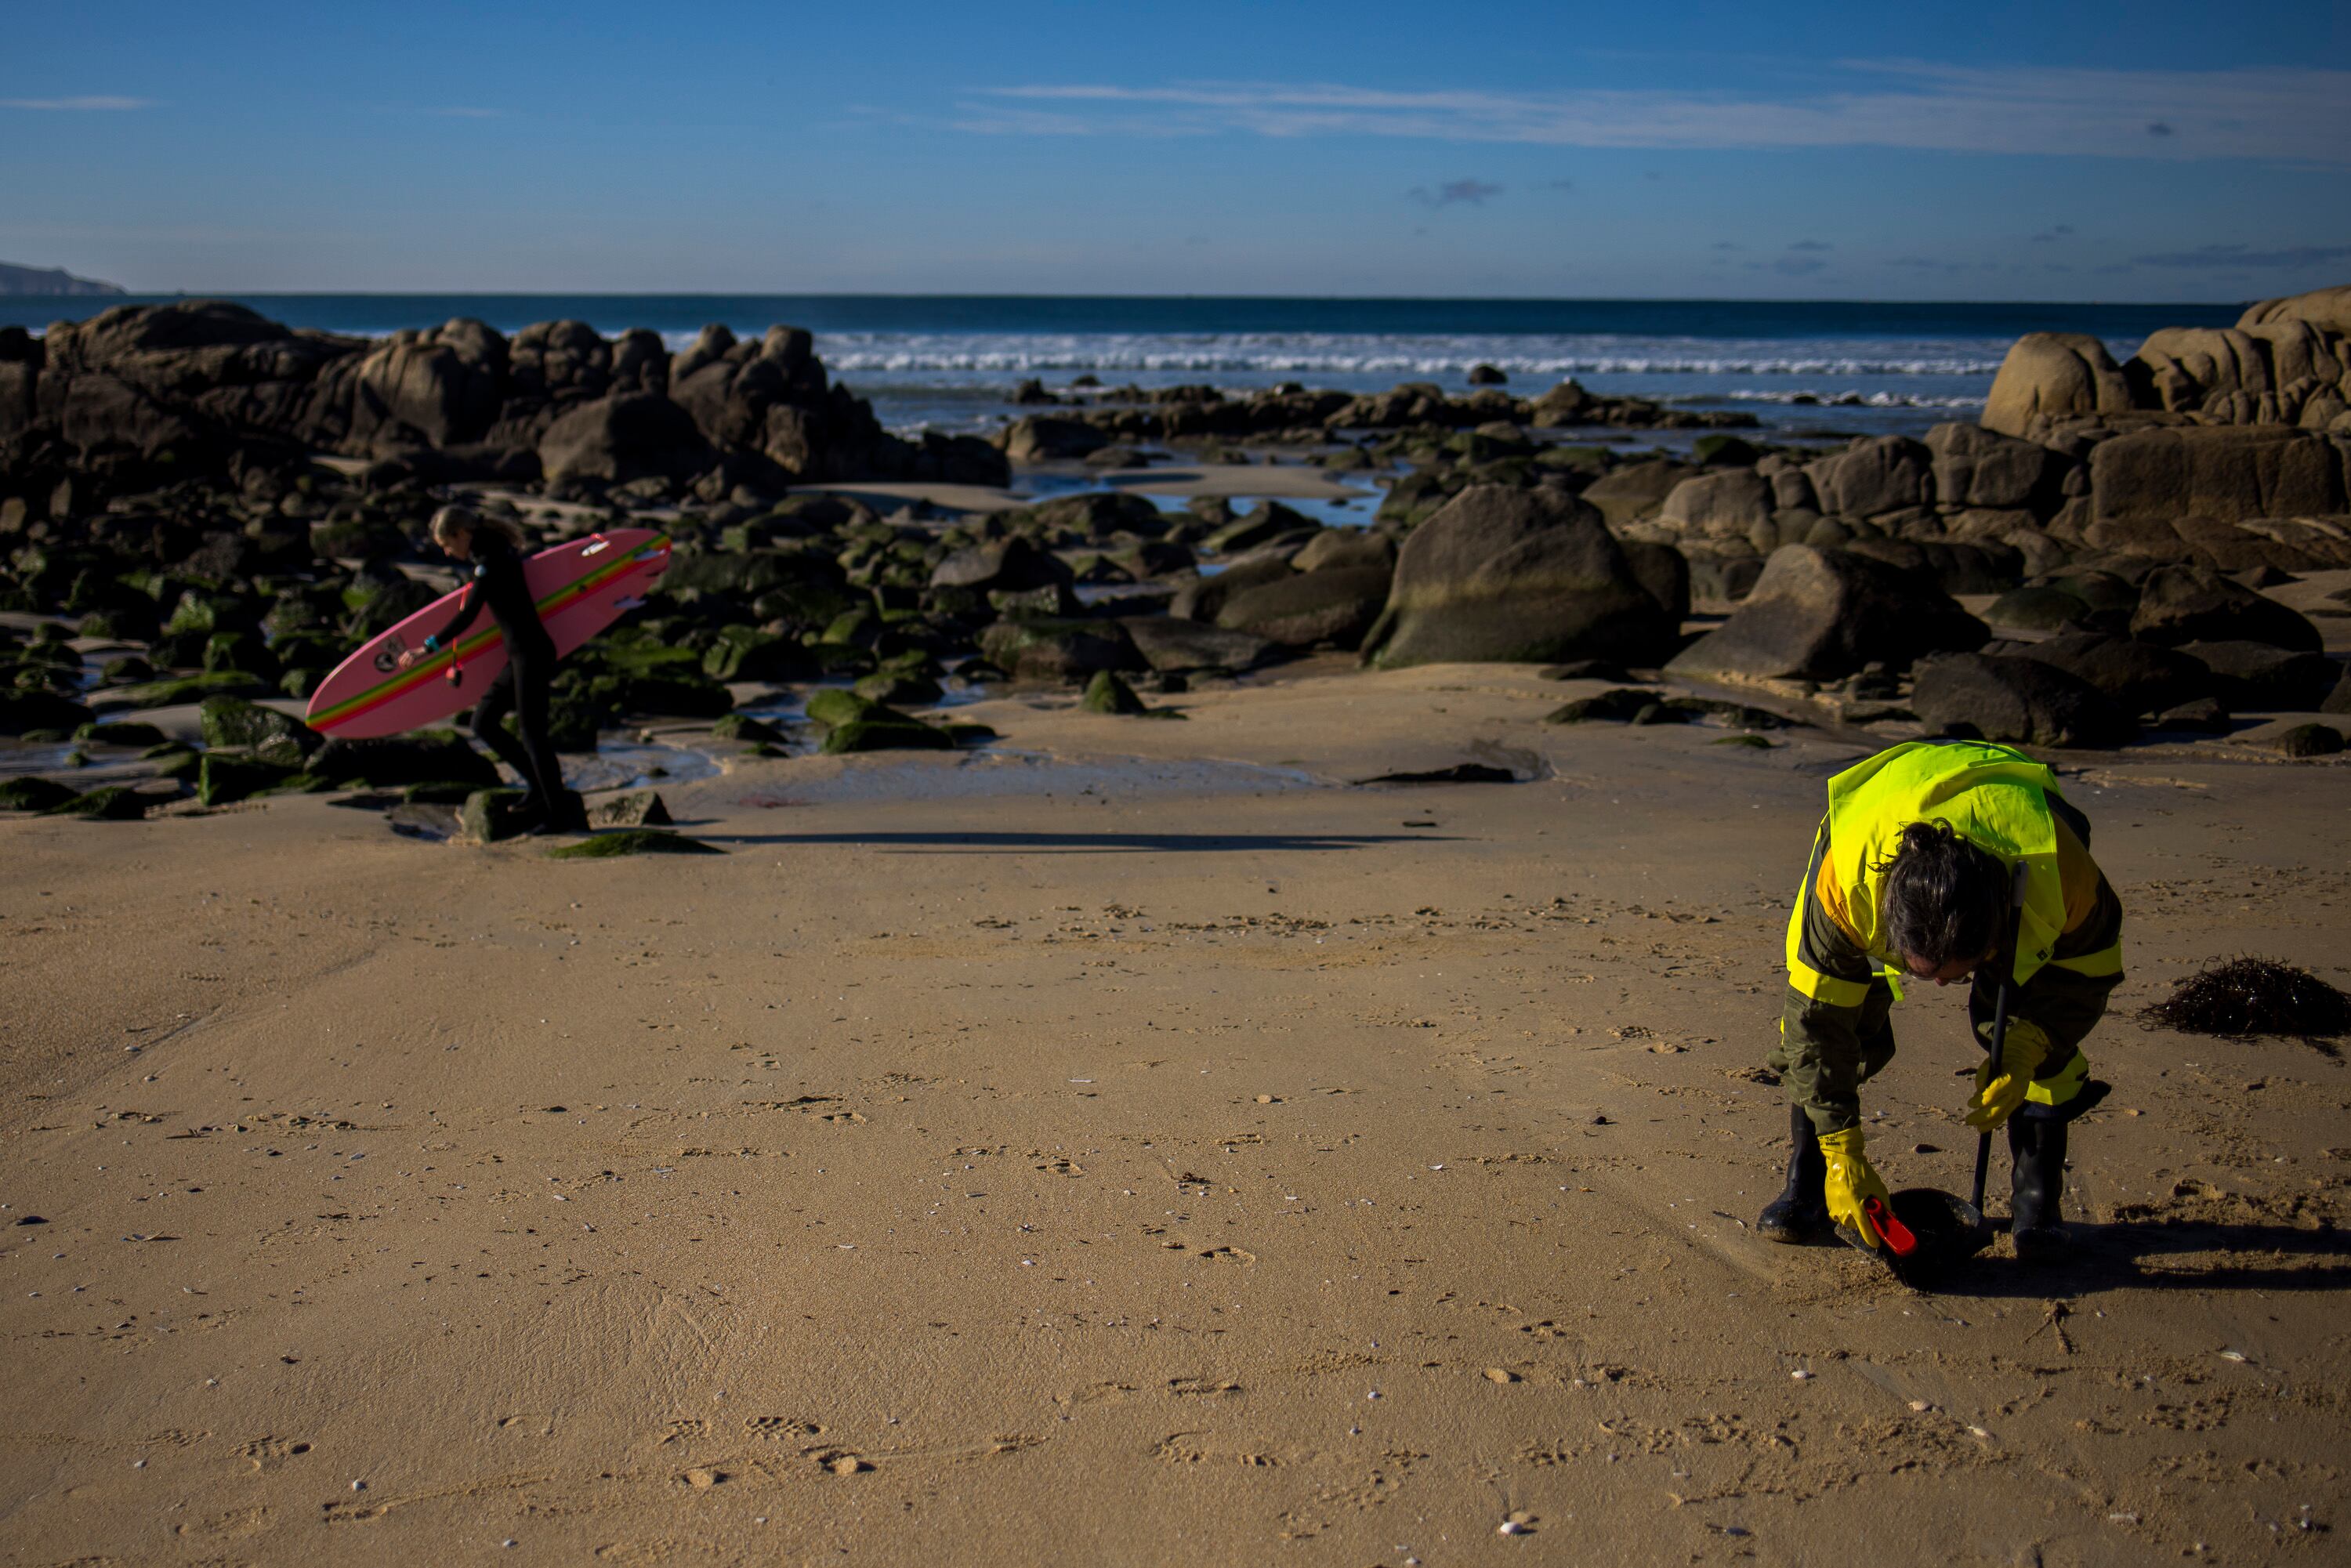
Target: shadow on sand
(2141, 1257)
(949, 842)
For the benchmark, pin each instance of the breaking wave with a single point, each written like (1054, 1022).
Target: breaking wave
(1352, 355)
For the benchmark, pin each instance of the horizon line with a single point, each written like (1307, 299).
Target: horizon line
(141, 296)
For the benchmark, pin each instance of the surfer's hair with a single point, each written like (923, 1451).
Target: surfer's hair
(453, 519)
(1944, 898)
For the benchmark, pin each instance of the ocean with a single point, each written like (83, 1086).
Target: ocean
(950, 363)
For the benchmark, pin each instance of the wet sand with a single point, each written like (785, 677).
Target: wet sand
(1139, 1145)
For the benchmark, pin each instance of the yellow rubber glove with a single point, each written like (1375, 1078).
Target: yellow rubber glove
(1850, 1181)
(2000, 1084)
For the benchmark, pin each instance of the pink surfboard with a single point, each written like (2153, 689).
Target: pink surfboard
(582, 587)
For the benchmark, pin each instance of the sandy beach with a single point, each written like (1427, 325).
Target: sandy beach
(1135, 1142)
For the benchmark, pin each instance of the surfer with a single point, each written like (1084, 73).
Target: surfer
(493, 547)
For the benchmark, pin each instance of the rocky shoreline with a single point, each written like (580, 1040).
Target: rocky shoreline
(199, 505)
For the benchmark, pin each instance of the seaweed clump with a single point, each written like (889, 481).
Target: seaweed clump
(2255, 996)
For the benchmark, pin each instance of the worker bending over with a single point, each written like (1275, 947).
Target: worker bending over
(1943, 861)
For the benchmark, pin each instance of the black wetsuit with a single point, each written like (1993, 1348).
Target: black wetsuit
(521, 687)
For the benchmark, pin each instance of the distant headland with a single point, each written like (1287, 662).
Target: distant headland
(54, 280)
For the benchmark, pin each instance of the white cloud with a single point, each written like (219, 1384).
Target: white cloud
(2303, 115)
(77, 103)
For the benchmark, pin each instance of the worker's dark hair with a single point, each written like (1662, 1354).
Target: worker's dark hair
(1944, 898)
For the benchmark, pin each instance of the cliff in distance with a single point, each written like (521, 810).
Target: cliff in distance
(22, 281)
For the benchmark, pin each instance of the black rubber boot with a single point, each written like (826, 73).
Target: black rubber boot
(2036, 1188)
(1800, 1213)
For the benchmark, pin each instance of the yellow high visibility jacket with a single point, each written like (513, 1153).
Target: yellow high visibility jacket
(1996, 799)
(1841, 974)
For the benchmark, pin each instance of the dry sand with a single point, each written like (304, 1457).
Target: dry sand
(1139, 1147)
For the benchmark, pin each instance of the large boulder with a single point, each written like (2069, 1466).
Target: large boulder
(1636, 490)
(1728, 505)
(1336, 548)
(2329, 309)
(2144, 482)
(559, 362)
(1059, 648)
(1664, 572)
(2187, 605)
(1092, 515)
(1205, 598)
(2137, 678)
(1173, 644)
(1037, 438)
(768, 397)
(187, 386)
(1304, 609)
(1873, 476)
(1821, 614)
(439, 387)
(1513, 575)
(615, 440)
(2021, 700)
(2185, 367)
(2055, 374)
(1976, 467)
(2259, 676)
(1009, 565)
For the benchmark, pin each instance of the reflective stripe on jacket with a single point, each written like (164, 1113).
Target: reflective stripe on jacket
(1834, 1026)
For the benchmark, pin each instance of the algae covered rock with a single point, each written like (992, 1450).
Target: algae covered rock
(489, 815)
(892, 733)
(630, 809)
(422, 756)
(33, 710)
(179, 689)
(32, 794)
(1056, 648)
(273, 737)
(742, 726)
(113, 803)
(124, 734)
(631, 842)
(1107, 694)
(854, 724)
(222, 776)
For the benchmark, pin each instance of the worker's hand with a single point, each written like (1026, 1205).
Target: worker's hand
(2001, 1081)
(1850, 1183)
(407, 657)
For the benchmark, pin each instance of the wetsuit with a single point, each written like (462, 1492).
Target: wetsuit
(521, 689)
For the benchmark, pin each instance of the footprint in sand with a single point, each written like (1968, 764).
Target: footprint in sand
(781, 1426)
(684, 1431)
(267, 1453)
(1099, 1394)
(1201, 1387)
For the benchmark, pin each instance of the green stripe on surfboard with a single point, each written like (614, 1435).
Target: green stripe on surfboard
(416, 674)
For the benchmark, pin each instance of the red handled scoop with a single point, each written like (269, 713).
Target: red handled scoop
(1897, 1236)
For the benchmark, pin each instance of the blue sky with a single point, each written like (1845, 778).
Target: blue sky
(2117, 151)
